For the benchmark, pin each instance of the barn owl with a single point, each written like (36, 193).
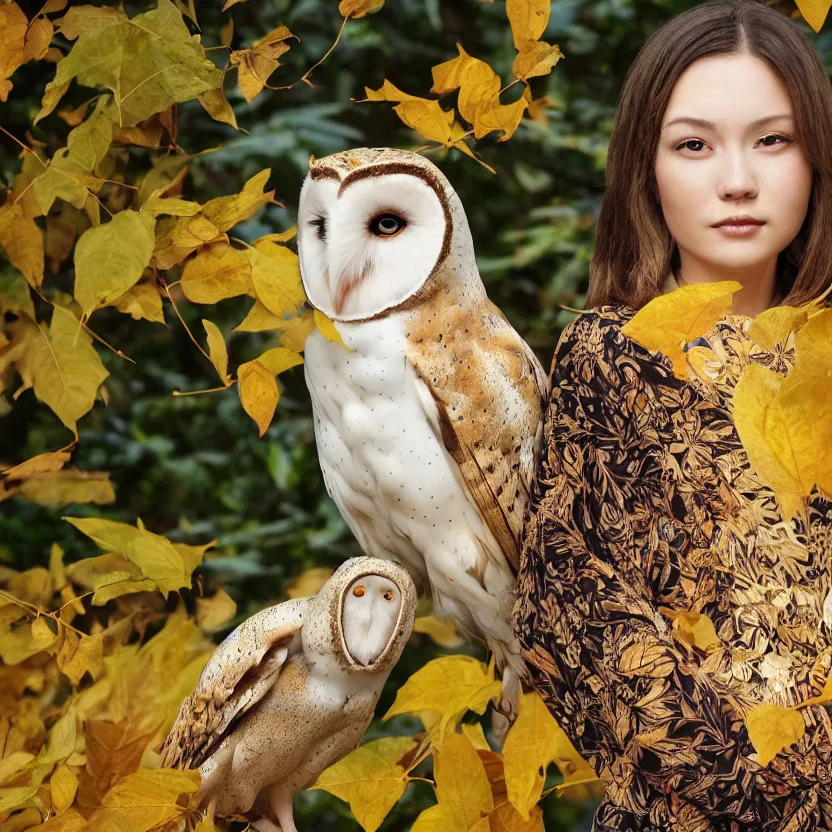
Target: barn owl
(291, 691)
(429, 424)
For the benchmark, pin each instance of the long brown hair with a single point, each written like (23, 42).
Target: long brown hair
(634, 250)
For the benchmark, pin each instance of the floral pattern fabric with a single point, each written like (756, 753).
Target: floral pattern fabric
(645, 505)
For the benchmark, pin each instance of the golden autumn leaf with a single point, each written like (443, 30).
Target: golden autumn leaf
(215, 612)
(814, 12)
(772, 728)
(177, 237)
(62, 367)
(309, 582)
(279, 359)
(226, 211)
(275, 274)
(450, 685)
(442, 631)
(528, 20)
(258, 393)
(216, 105)
(255, 65)
(371, 779)
(772, 326)
(327, 328)
(358, 8)
(141, 301)
(80, 654)
(670, 321)
(13, 28)
(217, 351)
(62, 787)
(45, 463)
(149, 62)
(22, 240)
(216, 273)
(110, 259)
(157, 204)
(536, 59)
(533, 742)
(61, 488)
(462, 789)
(143, 800)
(69, 821)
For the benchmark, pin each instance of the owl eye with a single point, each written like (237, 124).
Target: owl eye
(388, 596)
(387, 225)
(319, 223)
(359, 592)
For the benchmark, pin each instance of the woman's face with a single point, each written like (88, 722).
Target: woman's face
(727, 149)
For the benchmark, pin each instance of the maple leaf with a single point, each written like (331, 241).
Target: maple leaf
(149, 62)
(255, 65)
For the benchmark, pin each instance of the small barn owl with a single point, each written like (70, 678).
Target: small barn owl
(291, 691)
(429, 425)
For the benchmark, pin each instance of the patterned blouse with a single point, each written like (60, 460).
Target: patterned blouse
(645, 504)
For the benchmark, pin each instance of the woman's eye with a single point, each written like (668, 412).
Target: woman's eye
(777, 137)
(387, 225)
(319, 224)
(686, 144)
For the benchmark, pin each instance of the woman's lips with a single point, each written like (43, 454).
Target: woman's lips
(739, 229)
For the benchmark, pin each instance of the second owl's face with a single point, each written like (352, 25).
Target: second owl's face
(369, 617)
(368, 241)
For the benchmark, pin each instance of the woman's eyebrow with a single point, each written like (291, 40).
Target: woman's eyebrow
(701, 122)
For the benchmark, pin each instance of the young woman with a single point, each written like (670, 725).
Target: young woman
(719, 167)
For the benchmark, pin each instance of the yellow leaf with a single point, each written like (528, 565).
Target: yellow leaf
(293, 331)
(814, 12)
(309, 582)
(358, 8)
(505, 818)
(694, 628)
(156, 204)
(476, 735)
(226, 211)
(62, 788)
(13, 27)
(255, 65)
(149, 62)
(215, 612)
(217, 351)
(279, 359)
(144, 800)
(670, 321)
(216, 273)
(260, 319)
(110, 259)
(216, 105)
(536, 59)
(528, 20)
(442, 631)
(22, 240)
(478, 84)
(117, 584)
(781, 451)
(772, 728)
(371, 779)
(227, 32)
(327, 328)
(462, 789)
(451, 685)
(177, 238)
(141, 301)
(34, 585)
(533, 742)
(46, 463)
(258, 393)
(772, 326)
(69, 821)
(63, 368)
(87, 655)
(279, 237)
(275, 273)
(61, 741)
(64, 487)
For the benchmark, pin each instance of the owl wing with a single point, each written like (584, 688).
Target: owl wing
(490, 420)
(239, 673)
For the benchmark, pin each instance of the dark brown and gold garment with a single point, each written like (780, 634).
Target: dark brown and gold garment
(645, 503)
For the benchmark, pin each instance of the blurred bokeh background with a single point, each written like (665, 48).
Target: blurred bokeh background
(193, 468)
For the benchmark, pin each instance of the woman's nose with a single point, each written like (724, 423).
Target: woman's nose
(736, 175)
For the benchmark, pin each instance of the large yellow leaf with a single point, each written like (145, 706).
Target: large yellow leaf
(668, 322)
(141, 301)
(62, 787)
(80, 654)
(110, 259)
(217, 351)
(371, 779)
(215, 612)
(22, 240)
(64, 487)
(216, 105)
(528, 20)
(62, 366)
(216, 273)
(772, 326)
(536, 59)
(462, 789)
(45, 463)
(772, 728)
(144, 800)
(69, 821)
(781, 450)
(814, 12)
(255, 65)
(226, 211)
(149, 62)
(13, 27)
(327, 328)
(177, 237)
(275, 273)
(258, 393)
(533, 742)
(279, 359)
(450, 685)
